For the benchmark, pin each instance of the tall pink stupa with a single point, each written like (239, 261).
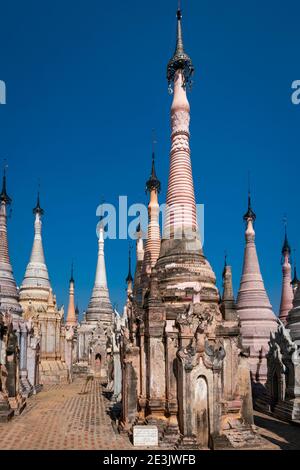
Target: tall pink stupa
(182, 266)
(253, 305)
(152, 247)
(287, 294)
(71, 315)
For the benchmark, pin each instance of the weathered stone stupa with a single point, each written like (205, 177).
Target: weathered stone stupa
(14, 384)
(228, 305)
(287, 294)
(187, 371)
(95, 329)
(71, 345)
(39, 305)
(253, 306)
(152, 247)
(71, 319)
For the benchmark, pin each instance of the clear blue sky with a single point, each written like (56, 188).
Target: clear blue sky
(85, 86)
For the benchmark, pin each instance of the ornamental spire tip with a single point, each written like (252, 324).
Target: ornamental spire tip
(153, 182)
(129, 277)
(250, 214)
(72, 272)
(37, 209)
(4, 197)
(180, 60)
(286, 249)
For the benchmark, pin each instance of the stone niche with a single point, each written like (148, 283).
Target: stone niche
(11, 400)
(283, 383)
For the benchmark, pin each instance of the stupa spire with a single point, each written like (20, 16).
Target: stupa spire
(181, 243)
(181, 206)
(129, 278)
(227, 282)
(4, 197)
(100, 279)
(36, 274)
(37, 209)
(287, 294)
(228, 307)
(100, 307)
(139, 244)
(5, 200)
(152, 248)
(180, 60)
(295, 279)
(253, 304)
(71, 315)
(8, 288)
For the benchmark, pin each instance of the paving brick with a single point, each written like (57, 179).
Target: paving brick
(61, 418)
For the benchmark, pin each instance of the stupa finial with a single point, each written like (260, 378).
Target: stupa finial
(153, 182)
(180, 60)
(286, 249)
(37, 209)
(250, 214)
(4, 197)
(72, 272)
(129, 277)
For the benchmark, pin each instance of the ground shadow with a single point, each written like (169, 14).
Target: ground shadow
(288, 431)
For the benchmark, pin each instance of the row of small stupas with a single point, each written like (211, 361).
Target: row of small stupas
(37, 346)
(190, 360)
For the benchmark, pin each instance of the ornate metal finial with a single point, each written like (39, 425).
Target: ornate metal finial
(180, 60)
(286, 249)
(153, 182)
(37, 209)
(4, 197)
(250, 214)
(72, 272)
(129, 277)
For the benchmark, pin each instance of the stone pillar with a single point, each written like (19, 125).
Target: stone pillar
(142, 390)
(68, 351)
(61, 351)
(172, 432)
(16, 401)
(184, 368)
(129, 387)
(244, 386)
(156, 375)
(33, 358)
(117, 375)
(26, 387)
(6, 412)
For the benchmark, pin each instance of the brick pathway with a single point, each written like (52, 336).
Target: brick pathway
(60, 417)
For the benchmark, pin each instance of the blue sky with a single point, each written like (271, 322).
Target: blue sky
(85, 86)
